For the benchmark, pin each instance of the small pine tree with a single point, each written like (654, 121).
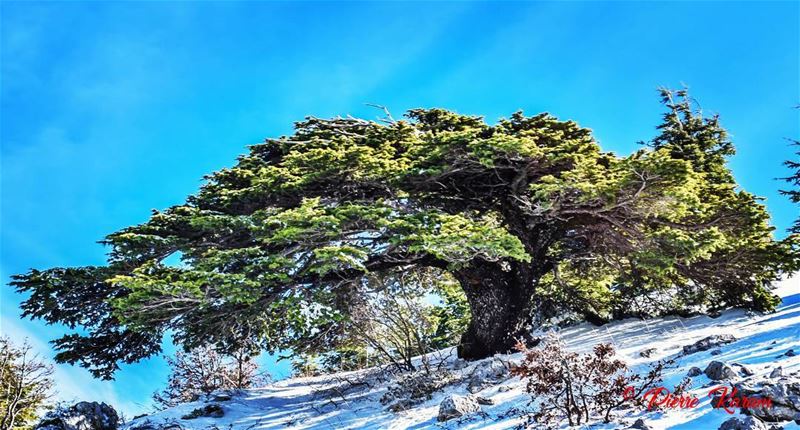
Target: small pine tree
(794, 180)
(25, 383)
(204, 370)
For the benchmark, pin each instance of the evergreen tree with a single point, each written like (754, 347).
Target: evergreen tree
(794, 180)
(529, 216)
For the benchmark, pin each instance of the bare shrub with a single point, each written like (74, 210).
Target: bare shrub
(394, 320)
(204, 370)
(25, 384)
(579, 387)
(400, 319)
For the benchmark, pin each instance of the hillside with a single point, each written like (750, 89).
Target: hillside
(353, 400)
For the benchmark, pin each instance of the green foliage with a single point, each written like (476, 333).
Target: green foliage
(794, 181)
(304, 365)
(81, 297)
(275, 250)
(25, 384)
(451, 317)
(345, 359)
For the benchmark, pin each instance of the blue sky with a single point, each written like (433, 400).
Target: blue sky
(112, 109)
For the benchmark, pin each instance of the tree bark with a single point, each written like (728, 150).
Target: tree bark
(500, 303)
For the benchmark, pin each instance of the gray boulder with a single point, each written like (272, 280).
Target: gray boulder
(785, 406)
(784, 395)
(709, 342)
(646, 353)
(146, 424)
(776, 373)
(402, 405)
(484, 400)
(212, 410)
(785, 398)
(775, 414)
(219, 396)
(486, 374)
(744, 370)
(743, 423)
(81, 416)
(639, 425)
(783, 392)
(454, 406)
(694, 371)
(718, 370)
(459, 364)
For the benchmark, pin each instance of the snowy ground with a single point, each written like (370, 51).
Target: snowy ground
(296, 403)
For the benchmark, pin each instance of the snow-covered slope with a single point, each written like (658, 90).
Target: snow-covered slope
(317, 403)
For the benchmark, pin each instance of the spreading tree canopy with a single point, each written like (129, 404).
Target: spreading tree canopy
(530, 216)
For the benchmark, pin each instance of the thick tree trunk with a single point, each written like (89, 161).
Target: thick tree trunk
(500, 303)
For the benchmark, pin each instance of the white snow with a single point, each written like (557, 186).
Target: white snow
(296, 403)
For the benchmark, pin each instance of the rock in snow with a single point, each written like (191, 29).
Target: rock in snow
(484, 401)
(486, 374)
(785, 397)
(743, 423)
(718, 370)
(454, 406)
(639, 425)
(150, 425)
(213, 410)
(708, 343)
(81, 416)
(694, 371)
(646, 353)
(217, 396)
(744, 370)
